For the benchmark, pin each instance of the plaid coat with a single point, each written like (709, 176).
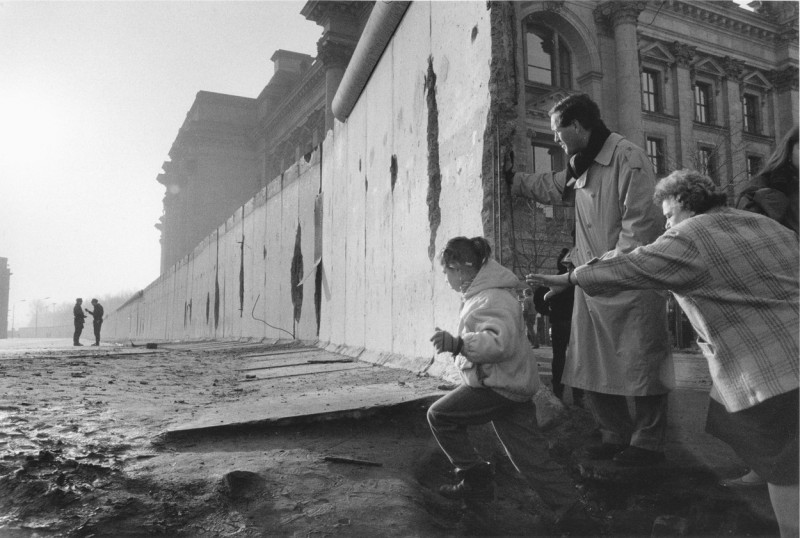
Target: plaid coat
(735, 274)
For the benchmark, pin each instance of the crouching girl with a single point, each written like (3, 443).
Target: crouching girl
(499, 375)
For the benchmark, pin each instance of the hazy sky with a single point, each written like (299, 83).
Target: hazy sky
(92, 95)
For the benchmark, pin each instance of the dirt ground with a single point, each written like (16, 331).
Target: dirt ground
(82, 454)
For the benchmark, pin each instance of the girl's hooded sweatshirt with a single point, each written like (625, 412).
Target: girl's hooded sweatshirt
(496, 353)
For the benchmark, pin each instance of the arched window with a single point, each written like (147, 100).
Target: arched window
(547, 57)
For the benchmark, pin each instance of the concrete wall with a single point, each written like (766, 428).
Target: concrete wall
(401, 176)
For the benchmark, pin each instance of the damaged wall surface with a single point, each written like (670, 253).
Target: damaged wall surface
(402, 175)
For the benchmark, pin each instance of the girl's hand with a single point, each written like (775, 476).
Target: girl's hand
(444, 341)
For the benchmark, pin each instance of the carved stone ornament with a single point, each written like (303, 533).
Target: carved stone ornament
(733, 68)
(615, 13)
(785, 79)
(335, 51)
(683, 53)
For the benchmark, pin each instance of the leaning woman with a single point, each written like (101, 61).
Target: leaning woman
(735, 275)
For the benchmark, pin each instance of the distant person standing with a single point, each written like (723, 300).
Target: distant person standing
(97, 323)
(529, 314)
(80, 317)
(559, 309)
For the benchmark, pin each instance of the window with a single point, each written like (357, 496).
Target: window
(754, 163)
(547, 158)
(702, 102)
(655, 152)
(750, 112)
(707, 163)
(548, 58)
(651, 94)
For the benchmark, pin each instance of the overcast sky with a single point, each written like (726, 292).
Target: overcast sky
(92, 95)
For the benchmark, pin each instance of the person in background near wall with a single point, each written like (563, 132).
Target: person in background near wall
(735, 275)
(500, 377)
(80, 317)
(558, 308)
(529, 313)
(97, 322)
(774, 191)
(620, 344)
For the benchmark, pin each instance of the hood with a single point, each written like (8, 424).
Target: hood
(493, 275)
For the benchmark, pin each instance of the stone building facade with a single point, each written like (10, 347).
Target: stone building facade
(231, 147)
(704, 85)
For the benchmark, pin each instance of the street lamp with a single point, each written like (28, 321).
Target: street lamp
(36, 322)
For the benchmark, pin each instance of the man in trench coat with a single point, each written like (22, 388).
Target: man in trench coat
(620, 345)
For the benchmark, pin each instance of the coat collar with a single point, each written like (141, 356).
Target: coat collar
(607, 151)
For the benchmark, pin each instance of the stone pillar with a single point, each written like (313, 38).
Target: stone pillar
(623, 18)
(786, 95)
(342, 22)
(735, 157)
(684, 54)
(334, 51)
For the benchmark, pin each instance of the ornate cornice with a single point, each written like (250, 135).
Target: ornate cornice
(734, 19)
(335, 50)
(320, 11)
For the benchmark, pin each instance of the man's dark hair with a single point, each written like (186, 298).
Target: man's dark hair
(578, 107)
(694, 191)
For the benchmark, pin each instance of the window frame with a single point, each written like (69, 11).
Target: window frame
(707, 162)
(658, 160)
(655, 92)
(561, 57)
(557, 160)
(754, 125)
(703, 111)
(753, 171)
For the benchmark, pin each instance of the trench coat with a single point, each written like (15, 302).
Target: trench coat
(619, 343)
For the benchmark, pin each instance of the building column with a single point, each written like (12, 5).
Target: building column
(684, 54)
(735, 156)
(786, 95)
(624, 17)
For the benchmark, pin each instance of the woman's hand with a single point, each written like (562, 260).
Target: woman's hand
(556, 283)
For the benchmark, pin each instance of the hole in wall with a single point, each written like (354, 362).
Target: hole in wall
(393, 170)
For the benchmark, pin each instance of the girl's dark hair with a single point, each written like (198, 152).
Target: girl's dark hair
(694, 191)
(462, 250)
(782, 154)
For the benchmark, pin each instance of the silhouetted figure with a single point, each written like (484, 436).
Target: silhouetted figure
(559, 309)
(97, 322)
(80, 317)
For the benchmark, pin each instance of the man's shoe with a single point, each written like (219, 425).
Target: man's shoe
(77, 344)
(95, 344)
(603, 451)
(639, 457)
(577, 521)
(477, 484)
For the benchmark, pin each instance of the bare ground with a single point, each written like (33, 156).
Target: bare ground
(82, 454)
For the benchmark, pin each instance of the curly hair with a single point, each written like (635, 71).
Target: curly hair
(693, 190)
(461, 250)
